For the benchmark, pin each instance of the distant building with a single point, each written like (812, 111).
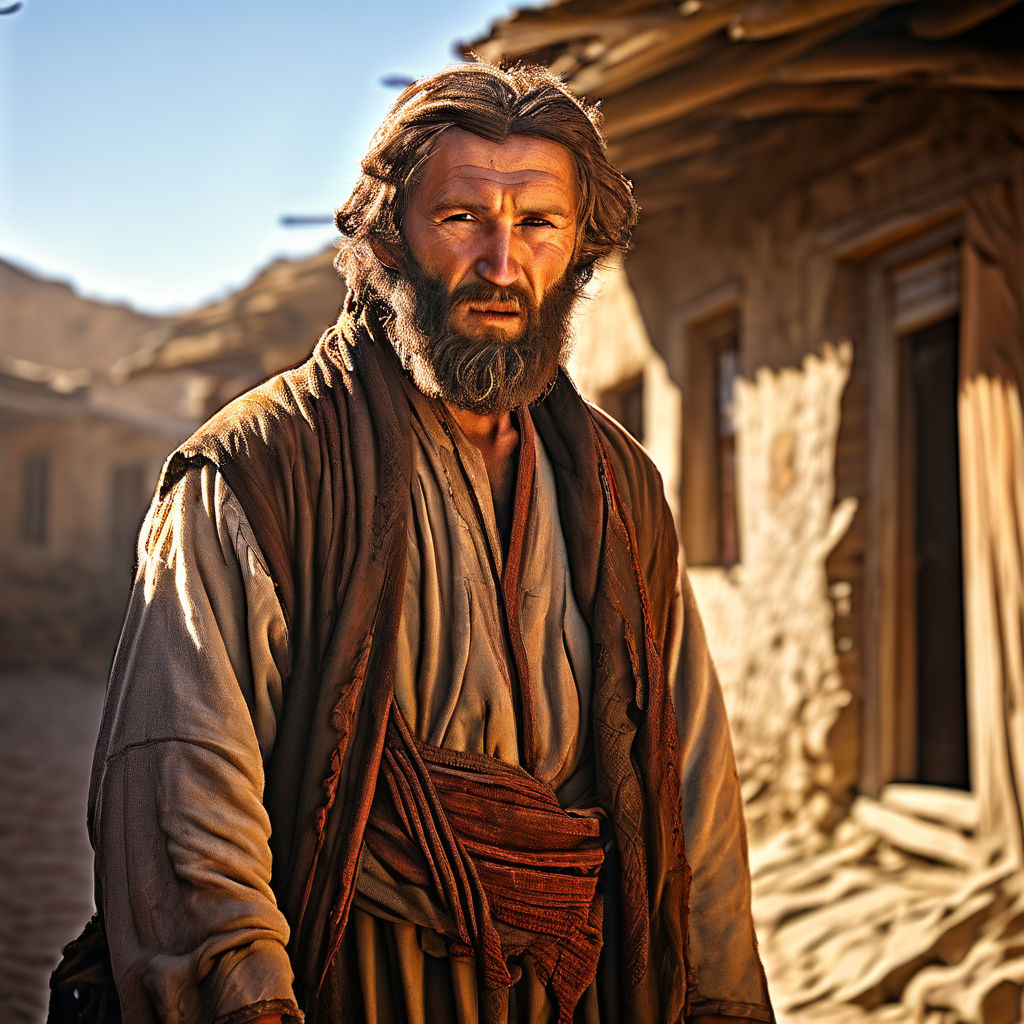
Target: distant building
(93, 397)
(227, 347)
(77, 479)
(79, 457)
(819, 336)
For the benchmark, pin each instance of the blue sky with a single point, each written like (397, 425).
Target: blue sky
(148, 148)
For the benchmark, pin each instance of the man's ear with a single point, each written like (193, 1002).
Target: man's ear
(384, 254)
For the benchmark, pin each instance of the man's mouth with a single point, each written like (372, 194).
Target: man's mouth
(494, 312)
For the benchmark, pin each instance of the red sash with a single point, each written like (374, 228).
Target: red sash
(511, 872)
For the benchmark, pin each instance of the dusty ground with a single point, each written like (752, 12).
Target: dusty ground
(47, 730)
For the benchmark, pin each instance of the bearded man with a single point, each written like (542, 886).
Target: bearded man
(412, 718)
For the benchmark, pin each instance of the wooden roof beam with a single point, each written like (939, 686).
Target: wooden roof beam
(515, 40)
(625, 65)
(692, 7)
(875, 62)
(731, 71)
(681, 138)
(571, 14)
(951, 17)
(788, 100)
(767, 19)
(609, 78)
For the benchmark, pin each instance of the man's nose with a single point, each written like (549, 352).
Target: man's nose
(497, 263)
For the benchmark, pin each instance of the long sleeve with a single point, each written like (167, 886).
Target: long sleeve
(177, 819)
(727, 976)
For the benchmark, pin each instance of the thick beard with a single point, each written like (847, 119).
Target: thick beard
(494, 372)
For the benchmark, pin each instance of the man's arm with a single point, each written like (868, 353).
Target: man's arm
(730, 985)
(176, 812)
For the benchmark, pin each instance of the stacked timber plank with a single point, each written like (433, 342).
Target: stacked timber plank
(900, 914)
(694, 90)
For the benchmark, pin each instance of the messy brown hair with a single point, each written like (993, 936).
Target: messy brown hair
(493, 103)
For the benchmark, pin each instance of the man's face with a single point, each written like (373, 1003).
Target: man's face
(482, 313)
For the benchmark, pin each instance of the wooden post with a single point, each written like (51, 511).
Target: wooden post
(992, 472)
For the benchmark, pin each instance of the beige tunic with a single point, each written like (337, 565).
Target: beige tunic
(454, 683)
(183, 869)
(454, 675)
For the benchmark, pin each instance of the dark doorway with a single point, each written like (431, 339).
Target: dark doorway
(709, 491)
(933, 577)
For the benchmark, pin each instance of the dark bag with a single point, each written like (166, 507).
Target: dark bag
(82, 986)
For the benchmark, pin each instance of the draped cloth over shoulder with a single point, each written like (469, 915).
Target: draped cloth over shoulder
(319, 459)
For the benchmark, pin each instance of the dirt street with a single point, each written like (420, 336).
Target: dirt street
(47, 731)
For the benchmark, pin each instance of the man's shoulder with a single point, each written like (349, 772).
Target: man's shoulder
(279, 420)
(289, 402)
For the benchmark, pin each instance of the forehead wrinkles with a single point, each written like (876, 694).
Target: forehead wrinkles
(525, 187)
(441, 172)
(508, 179)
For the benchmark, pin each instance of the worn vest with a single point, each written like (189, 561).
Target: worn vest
(320, 459)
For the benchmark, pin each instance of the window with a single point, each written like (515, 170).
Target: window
(626, 403)
(915, 688)
(35, 498)
(933, 743)
(710, 529)
(726, 367)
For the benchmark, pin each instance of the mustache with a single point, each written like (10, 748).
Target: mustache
(485, 294)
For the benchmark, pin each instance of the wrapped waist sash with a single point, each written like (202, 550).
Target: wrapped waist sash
(481, 852)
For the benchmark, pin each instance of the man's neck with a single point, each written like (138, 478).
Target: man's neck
(497, 438)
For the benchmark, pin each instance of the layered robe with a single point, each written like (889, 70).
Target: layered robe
(313, 584)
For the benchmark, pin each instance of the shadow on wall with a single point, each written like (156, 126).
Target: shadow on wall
(769, 618)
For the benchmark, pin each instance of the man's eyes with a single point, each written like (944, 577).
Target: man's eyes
(525, 222)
